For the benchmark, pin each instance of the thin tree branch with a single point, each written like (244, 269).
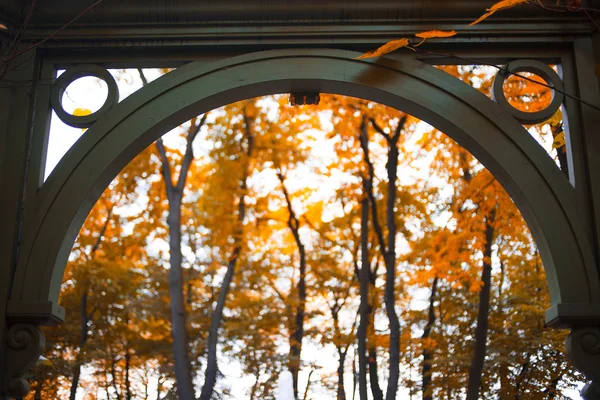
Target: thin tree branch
(277, 291)
(308, 384)
(400, 127)
(563, 9)
(166, 166)
(293, 221)
(162, 152)
(142, 77)
(364, 144)
(189, 152)
(380, 130)
(14, 44)
(101, 234)
(59, 30)
(188, 155)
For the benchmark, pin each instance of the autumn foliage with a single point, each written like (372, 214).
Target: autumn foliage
(325, 222)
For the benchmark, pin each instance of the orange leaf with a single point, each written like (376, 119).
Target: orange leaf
(501, 5)
(435, 34)
(386, 48)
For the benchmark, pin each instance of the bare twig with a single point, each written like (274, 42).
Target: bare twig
(561, 8)
(17, 39)
(56, 32)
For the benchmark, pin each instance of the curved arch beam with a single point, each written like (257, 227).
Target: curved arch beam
(538, 188)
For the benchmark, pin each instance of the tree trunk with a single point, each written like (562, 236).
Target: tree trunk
(174, 192)
(159, 386)
(308, 382)
(506, 388)
(183, 372)
(390, 274)
(341, 393)
(213, 332)
(128, 394)
(481, 331)
(354, 377)
(215, 322)
(85, 317)
(38, 390)
(297, 335)
(368, 191)
(106, 385)
(83, 335)
(373, 374)
(183, 367)
(388, 251)
(113, 372)
(364, 282)
(146, 383)
(427, 352)
(255, 386)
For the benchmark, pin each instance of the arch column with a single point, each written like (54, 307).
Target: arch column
(21, 344)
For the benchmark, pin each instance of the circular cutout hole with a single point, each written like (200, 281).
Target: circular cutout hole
(525, 95)
(85, 96)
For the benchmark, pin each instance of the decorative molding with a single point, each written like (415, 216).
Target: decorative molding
(41, 312)
(230, 22)
(261, 11)
(543, 71)
(24, 345)
(567, 315)
(354, 34)
(583, 349)
(71, 75)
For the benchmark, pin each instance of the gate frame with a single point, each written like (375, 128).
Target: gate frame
(25, 108)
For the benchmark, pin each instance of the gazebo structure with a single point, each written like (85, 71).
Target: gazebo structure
(227, 51)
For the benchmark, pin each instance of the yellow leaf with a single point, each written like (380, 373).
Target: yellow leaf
(435, 34)
(556, 118)
(81, 112)
(501, 5)
(386, 48)
(44, 361)
(559, 141)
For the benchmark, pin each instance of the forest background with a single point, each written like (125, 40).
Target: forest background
(348, 242)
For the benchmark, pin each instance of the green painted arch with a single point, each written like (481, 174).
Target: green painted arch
(541, 192)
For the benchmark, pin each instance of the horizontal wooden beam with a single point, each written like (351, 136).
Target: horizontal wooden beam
(272, 19)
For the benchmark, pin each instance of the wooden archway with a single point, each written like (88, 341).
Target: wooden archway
(539, 189)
